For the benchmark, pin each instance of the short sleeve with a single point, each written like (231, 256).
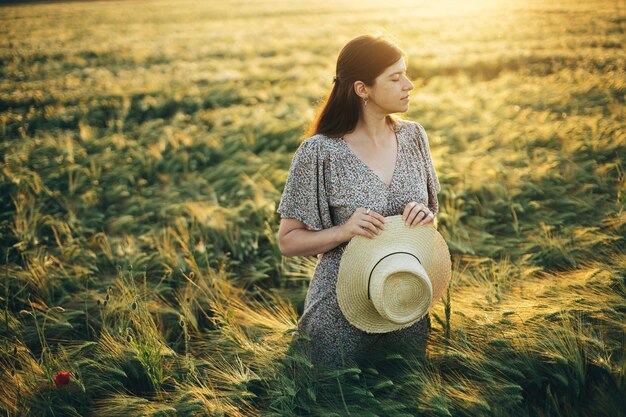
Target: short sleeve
(433, 181)
(304, 196)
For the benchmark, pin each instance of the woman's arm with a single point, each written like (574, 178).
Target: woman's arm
(296, 239)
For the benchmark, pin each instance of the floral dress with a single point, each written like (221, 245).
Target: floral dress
(326, 183)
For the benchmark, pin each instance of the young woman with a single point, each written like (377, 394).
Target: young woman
(358, 165)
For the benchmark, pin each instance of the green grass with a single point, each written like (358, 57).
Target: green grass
(144, 149)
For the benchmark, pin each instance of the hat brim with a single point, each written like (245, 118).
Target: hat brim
(361, 254)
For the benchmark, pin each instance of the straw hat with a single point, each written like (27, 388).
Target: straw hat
(391, 282)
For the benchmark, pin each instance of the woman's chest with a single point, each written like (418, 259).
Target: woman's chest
(352, 185)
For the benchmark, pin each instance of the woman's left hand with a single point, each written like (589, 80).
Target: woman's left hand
(416, 213)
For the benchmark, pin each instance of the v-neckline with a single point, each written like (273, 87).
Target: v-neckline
(395, 166)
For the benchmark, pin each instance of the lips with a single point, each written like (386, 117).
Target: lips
(405, 98)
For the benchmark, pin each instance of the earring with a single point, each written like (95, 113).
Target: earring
(365, 101)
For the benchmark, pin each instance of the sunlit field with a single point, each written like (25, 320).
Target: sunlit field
(145, 146)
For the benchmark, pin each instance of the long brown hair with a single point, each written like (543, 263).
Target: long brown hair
(362, 59)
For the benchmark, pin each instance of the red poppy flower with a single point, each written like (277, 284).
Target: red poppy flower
(62, 378)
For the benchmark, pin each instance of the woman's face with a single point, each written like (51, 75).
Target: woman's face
(390, 89)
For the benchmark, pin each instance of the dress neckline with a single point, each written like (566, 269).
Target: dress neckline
(369, 169)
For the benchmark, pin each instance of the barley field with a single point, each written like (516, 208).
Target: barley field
(145, 146)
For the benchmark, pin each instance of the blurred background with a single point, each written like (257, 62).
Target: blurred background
(145, 146)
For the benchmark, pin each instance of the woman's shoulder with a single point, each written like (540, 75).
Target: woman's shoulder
(416, 131)
(320, 144)
(403, 123)
(312, 150)
(407, 123)
(320, 138)
(314, 140)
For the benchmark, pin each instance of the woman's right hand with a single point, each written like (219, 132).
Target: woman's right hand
(360, 223)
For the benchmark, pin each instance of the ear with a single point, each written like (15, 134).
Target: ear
(360, 89)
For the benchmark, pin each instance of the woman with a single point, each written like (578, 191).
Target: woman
(358, 165)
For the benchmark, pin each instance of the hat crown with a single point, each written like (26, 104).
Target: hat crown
(400, 287)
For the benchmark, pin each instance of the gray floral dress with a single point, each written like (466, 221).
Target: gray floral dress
(326, 183)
